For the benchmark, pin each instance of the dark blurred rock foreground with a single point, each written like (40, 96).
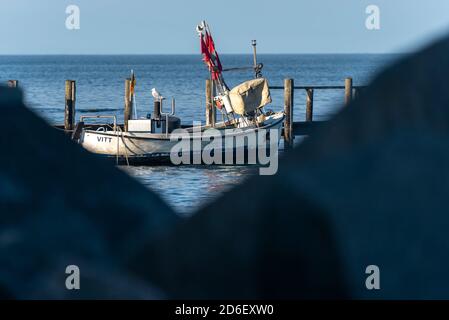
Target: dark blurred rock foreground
(371, 188)
(62, 206)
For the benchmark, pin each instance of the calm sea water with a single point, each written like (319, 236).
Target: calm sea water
(100, 90)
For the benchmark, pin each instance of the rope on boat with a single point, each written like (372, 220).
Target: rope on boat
(126, 151)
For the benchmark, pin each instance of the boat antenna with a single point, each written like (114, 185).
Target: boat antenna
(257, 67)
(254, 43)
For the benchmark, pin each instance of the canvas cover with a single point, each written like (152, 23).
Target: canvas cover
(250, 95)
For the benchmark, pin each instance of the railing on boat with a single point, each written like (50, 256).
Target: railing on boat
(114, 118)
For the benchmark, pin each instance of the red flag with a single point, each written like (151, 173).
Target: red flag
(211, 48)
(210, 56)
(205, 52)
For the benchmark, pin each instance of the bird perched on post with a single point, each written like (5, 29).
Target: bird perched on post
(156, 95)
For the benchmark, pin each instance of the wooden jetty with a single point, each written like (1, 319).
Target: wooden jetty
(291, 128)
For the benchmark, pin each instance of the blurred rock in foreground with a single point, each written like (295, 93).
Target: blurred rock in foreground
(60, 206)
(369, 189)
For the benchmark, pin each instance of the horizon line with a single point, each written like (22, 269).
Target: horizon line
(191, 54)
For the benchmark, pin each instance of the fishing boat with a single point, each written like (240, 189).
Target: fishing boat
(159, 137)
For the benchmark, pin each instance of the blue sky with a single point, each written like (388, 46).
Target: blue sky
(168, 26)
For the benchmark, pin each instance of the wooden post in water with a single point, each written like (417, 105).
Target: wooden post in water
(13, 83)
(288, 109)
(210, 110)
(128, 105)
(348, 91)
(309, 104)
(356, 93)
(70, 98)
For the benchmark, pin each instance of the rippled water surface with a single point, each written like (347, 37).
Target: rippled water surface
(100, 88)
(187, 188)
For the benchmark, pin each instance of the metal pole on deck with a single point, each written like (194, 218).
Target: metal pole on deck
(256, 67)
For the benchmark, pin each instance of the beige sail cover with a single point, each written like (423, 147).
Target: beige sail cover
(250, 95)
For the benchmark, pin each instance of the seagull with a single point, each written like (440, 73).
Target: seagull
(156, 95)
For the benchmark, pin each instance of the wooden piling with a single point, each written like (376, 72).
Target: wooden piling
(13, 83)
(128, 105)
(356, 93)
(348, 91)
(70, 98)
(288, 109)
(210, 110)
(309, 104)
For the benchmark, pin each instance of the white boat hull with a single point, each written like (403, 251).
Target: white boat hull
(141, 144)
